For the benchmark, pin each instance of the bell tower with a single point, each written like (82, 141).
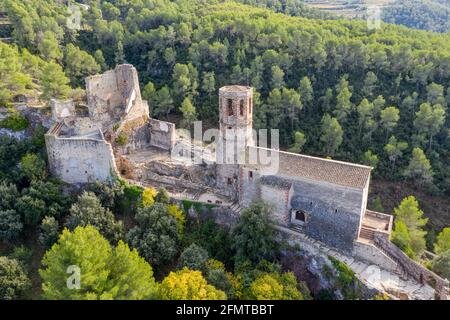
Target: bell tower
(236, 133)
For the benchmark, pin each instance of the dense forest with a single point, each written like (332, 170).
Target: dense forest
(332, 87)
(381, 95)
(419, 14)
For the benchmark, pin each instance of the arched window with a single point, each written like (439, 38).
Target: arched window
(230, 107)
(250, 106)
(300, 215)
(241, 107)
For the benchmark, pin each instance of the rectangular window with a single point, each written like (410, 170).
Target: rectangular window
(241, 107)
(229, 181)
(250, 106)
(250, 174)
(230, 107)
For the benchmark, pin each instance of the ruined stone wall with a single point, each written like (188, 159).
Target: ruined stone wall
(162, 134)
(80, 160)
(334, 212)
(62, 109)
(115, 94)
(249, 187)
(278, 198)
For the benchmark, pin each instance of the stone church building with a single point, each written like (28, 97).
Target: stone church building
(326, 200)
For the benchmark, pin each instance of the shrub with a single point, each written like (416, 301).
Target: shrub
(156, 236)
(188, 285)
(148, 197)
(49, 232)
(10, 225)
(89, 211)
(193, 257)
(13, 280)
(15, 122)
(122, 139)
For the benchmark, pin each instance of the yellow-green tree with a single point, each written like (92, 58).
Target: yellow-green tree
(148, 197)
(442, 241)
(104, 272)
(273, 286)
(408, 233)
(188, 285)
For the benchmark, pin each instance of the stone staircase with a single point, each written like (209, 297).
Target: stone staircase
(396, 283)
(235, 207)
(367, 233)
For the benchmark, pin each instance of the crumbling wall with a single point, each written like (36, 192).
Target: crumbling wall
(80, 160)
(162, 134)
(115, 94)
(62, 109)
(278, 197)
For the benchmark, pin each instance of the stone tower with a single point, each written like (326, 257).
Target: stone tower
(236, 133)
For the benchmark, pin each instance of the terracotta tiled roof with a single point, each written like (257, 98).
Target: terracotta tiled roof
(320, 169)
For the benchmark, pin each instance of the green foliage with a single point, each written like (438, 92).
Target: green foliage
(408, 233)
(346, 279)
(332, 135)
(49, 232)
(299, 142)
(148, 197)
(216, 239)
(193, 257)
(15, 122)
(187, 109)
(376, 205)
(122, 139)
(419, 168)
(79, 64)
(106, 272)
(162, 196)
(55, 84)
(13, 279)
(253, 235)
(442, 241)
(156, 236)
(441, 265)
(33, 166)
(179, 215)
(89, 211)
(370, 159)
(420, 14)
(31, 209)
(188, 285)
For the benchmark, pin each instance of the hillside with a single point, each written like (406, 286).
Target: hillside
(431, 15)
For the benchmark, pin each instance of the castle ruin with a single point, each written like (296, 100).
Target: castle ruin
(323, 199)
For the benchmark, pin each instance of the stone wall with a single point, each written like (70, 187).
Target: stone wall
(412, 268)
(115, 94)
(373, 255)
(279, 198)
(80, 160)
(162, 134)
(333, 212)
(62, 109)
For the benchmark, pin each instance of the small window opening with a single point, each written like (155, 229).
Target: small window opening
(229, 181)
(250, 174)
(230, 107)
(300, 216)
(241, 107)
